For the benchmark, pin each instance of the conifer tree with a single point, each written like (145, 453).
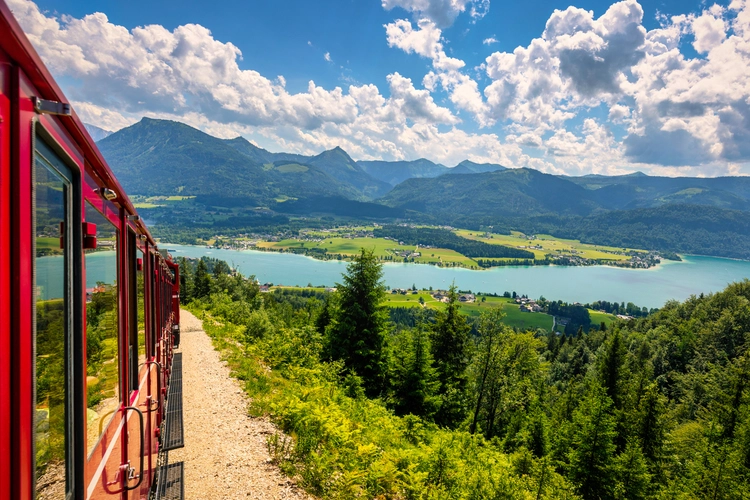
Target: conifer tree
(611, 368)
(202, 281)
(186, 281)
(357, 334)
(592, 447)
(651, 426)
(414, 379)
(451, 351)
(631, 473)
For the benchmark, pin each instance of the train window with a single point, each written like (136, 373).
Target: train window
(137, 333)
(102, 348)
(52, 341)
(152, 308)
(141, 310)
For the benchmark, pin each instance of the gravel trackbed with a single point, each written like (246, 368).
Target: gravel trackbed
(225, 451)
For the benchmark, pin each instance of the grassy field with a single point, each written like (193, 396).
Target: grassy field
(549, 244)
(380, 246)
(598, 317)
(339, 241)
(513, 315)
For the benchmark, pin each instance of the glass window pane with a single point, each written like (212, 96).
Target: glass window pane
(51, 343)
(141, 310)
(102, 355)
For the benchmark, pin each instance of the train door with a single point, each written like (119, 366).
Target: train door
(55, 347)
(138, 390)
(104, 361)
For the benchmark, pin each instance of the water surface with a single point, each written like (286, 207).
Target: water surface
(644, 287)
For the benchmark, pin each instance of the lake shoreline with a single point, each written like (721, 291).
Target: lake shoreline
(584, 284)
(460, 266)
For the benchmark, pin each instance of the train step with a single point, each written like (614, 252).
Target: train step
(171, 483)
(174, 435)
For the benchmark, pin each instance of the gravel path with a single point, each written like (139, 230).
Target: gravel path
(225, 450)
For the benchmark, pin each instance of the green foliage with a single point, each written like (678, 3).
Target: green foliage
(592, 446)
(201, 281)
(342, 447)
(657, 407)
(412, 377)
(356, 335)
(451, 351)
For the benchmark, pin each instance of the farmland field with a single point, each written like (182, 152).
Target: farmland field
(549, 244)
(513, 315)
(380, 246)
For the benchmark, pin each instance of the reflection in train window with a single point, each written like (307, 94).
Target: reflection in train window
(141, 310)
(52, 326)
(102, 359)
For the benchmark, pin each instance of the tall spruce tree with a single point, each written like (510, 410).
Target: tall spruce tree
(611, 369)
(202, 281)
(357, 334)
(451, 351)
(413, 378)
(186, 281)
(591, 457)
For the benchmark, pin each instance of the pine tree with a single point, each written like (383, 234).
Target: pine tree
(186, 281)
(651, 427)
(450, 349)
(631, 473)
(202, 281)
(592, 448)
(611, 369)
(414, 379)
(357, 334)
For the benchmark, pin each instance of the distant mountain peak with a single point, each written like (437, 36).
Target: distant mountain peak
(468, 166)
(97, 133)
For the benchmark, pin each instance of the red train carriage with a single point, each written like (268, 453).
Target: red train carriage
(89, 307)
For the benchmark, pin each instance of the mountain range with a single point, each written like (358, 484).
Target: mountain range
(160, 157)
(163, 158)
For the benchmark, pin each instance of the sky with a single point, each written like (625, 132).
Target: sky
(575, 87)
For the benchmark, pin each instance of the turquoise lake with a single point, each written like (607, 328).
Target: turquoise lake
(644, 287)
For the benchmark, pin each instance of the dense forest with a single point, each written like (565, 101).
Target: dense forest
(652, 408)
(443, 238)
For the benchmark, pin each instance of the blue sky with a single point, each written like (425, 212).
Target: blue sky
(592, 87)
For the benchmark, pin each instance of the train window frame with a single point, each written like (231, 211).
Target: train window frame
(121, 401)
(61, 163)
(132, 312)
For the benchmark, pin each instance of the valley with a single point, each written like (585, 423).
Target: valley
(209, 186)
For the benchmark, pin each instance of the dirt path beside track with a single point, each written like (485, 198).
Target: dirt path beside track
(225, 451)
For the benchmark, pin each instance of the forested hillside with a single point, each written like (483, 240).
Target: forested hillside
(653, 408)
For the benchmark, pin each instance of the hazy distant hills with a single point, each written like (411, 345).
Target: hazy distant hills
(97, 133)
(642, 191)
(509, 192)
(396, 172)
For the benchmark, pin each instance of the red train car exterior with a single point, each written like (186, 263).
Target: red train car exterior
(89, 307)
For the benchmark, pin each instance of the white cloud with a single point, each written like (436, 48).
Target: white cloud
(490, 40)
(442, 13)
(327, 56)
(679, 113)
(709, 31)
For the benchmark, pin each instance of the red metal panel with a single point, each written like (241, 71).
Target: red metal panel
(22, 290)
(5, 266)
